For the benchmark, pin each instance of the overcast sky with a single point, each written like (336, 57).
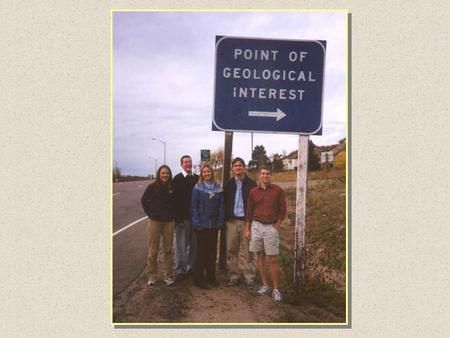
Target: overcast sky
(163, 80)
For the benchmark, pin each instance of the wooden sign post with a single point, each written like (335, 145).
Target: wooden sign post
(225, 177)
(300, 216)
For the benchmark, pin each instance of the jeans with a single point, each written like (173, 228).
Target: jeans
(185, 248)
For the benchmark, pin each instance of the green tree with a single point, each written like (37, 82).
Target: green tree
(277, 162)
(259, 158)
(313, 158)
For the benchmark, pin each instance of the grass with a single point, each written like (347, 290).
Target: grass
(326, 220)
(282, 176)
(340, 160)
(324, 276)
(311, 291)
(290, 175)
(338, 171)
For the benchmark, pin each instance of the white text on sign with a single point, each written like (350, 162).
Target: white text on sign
(268, 74)
(267, 55)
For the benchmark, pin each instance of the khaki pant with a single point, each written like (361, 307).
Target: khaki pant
(240, 259)
(155, 230)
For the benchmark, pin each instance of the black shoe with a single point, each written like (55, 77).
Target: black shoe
(180, 277)
(213, 284)
(202, 286)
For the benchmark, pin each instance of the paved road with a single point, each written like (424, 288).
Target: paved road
(129, 246)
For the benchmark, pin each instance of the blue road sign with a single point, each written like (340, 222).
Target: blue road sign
(264, 85)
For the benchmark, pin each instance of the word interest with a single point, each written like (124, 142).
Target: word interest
(268, 93)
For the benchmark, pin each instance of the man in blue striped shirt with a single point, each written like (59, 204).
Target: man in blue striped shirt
(240, 260)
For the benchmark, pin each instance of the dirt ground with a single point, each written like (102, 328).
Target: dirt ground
(322, 302)
(185, 303)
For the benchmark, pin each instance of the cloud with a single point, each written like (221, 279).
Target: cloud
(163, 74)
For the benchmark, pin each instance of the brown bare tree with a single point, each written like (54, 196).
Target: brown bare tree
(217, 158)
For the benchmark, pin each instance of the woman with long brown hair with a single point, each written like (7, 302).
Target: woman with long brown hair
(157, 202)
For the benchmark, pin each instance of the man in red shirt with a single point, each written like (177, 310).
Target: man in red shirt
(266, 210)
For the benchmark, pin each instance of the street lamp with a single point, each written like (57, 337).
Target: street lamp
(155, 139)
(156, 164)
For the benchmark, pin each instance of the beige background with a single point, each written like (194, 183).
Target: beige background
(55, 187)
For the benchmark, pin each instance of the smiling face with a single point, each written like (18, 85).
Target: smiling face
(264, 176)
(164, 175)
(206, 174)
(186, 164)
(238, 169)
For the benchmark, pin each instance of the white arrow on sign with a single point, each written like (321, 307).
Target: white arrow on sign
(278, 114)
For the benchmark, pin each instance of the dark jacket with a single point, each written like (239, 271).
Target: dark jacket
(207, 207)
(182, 191)
(157, 202)
(230, 193)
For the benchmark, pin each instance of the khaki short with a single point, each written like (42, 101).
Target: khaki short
(264, 237)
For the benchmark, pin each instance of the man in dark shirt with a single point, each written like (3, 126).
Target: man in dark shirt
(266, 210)
(182, 186)
(240, 260)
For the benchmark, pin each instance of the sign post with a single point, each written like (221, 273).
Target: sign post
(225, 177)
(300, 215)
(272, 86)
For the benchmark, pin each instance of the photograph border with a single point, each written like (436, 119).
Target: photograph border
(347, 323)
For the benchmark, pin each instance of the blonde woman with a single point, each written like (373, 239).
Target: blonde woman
(207, 219)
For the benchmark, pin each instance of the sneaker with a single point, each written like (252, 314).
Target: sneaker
(276, 295)
(169, 281)
(151, 282)
(264, 290)
(232, 282)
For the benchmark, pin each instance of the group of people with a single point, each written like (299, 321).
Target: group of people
(195, 207)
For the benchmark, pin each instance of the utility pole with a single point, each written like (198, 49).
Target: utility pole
(164, 143)
(156, 164)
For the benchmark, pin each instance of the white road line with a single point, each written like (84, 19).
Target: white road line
(116, 193)
(129, 226)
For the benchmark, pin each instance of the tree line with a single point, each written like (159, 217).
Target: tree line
(260, 157)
